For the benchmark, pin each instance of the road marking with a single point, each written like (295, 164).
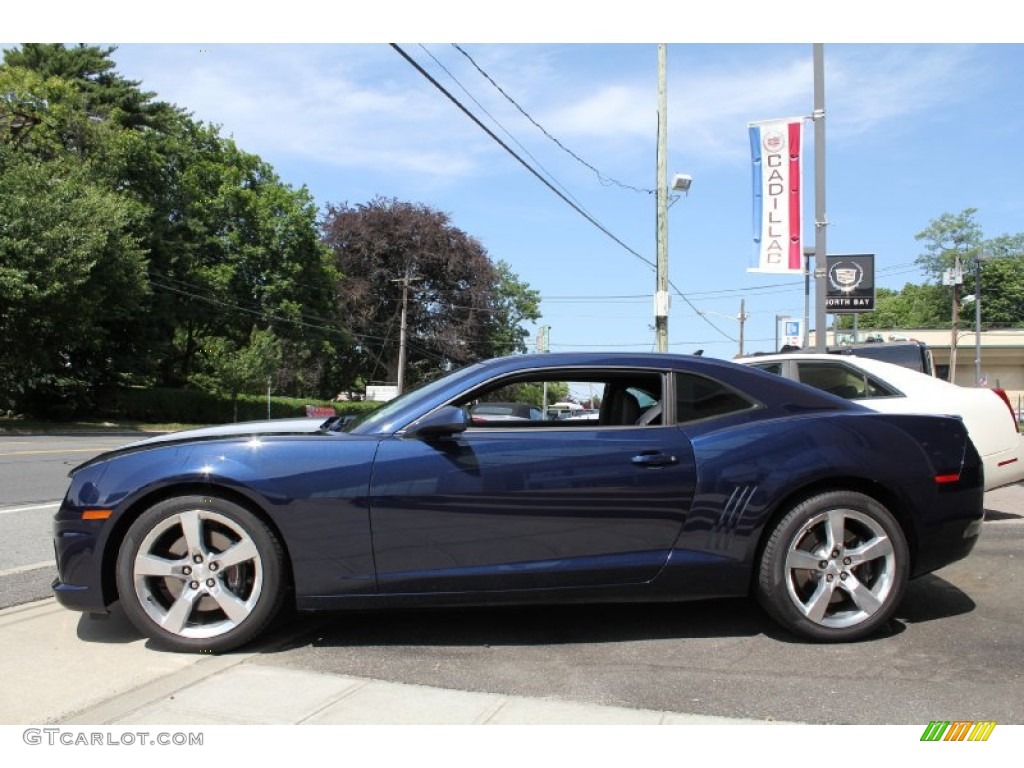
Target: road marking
(50, 505)
(24, 568)
(57, 450)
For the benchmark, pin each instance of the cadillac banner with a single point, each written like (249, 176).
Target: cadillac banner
(851, 284)
(775, 151)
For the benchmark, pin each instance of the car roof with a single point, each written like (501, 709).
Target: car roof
(898, 375)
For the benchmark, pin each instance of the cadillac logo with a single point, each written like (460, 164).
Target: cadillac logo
(846, 276)
(773, 141)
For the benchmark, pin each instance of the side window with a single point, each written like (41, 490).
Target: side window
(775, 368)
(567, 399)
(844, 381)
(698, 397)
(833, 378)
(876, 388)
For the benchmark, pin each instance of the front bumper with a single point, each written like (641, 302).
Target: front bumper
(79, 583)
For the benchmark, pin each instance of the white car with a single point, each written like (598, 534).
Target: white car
(889, 388)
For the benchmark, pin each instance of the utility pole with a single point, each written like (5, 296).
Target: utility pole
(808, 255)
(403, 330)
(743, 318)
(955, 278)
(820, 222)
(661, 186)
(977, 319)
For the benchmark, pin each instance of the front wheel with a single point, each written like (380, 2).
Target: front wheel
(198, 573)
(834, 568)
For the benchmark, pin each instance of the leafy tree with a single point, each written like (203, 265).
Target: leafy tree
(71, 274)
(231, 247)
(1002, 282)
(92, 71)
(239, 369)
(915, 306)
(948, 238)
(461, 307)
(228, 248)
(533, 393)
(513, 302)
(959, 236)
(41, 116)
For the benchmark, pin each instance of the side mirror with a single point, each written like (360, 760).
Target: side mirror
(443, 422)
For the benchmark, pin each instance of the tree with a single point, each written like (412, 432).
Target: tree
(240, 369)
(72, 273)
(231, 248)
(513, 302)
(106, 95)
(1002, 282)
(915, 306)
(959, 236)
(461, 307)
(224, 246)
(948, 238)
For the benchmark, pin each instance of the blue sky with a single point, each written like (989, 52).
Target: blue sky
(914, 130)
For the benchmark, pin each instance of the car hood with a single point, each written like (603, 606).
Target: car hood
(242, 429)
(304, 426)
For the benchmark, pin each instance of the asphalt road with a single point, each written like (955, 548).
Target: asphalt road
(955, 650)
(33, 479)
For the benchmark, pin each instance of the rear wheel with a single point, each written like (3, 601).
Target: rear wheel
(834, 568)
(198, 573)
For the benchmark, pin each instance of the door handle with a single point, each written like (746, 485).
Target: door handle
(654, 459)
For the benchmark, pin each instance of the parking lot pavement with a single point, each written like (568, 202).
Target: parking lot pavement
(1007, 503)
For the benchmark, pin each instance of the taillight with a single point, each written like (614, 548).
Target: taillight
(1005, 398)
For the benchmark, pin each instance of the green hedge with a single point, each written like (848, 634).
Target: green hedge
(192, 406)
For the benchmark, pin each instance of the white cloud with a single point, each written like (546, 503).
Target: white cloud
(341, 106)
(362, 107)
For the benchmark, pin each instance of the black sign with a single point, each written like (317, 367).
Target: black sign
(851, 284)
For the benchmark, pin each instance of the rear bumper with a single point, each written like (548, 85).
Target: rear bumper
(947, 544)
(1005, 467)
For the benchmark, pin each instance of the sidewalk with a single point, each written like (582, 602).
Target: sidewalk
(62, 668)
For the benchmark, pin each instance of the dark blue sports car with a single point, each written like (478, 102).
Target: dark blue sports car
(696, 478)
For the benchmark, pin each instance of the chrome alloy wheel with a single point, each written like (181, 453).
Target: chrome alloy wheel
(840, 568)
(197, 574)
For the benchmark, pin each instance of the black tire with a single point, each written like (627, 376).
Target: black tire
(200, 574)
(834, 568)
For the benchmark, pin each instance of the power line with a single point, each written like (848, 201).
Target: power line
(498, 123)
(512, 152)
(606, 180)
(544, 181)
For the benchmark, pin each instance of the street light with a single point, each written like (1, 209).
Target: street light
(976, 298)
(977, 316)
(741, 317)
(681, 183)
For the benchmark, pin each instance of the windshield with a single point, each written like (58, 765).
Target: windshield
(368, 421)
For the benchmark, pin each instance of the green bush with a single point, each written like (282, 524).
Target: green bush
(192, 406)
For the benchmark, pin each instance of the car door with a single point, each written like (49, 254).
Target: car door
(529, 505)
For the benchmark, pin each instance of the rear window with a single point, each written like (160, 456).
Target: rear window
(845, 382)
(698, 397)
(909, 355)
